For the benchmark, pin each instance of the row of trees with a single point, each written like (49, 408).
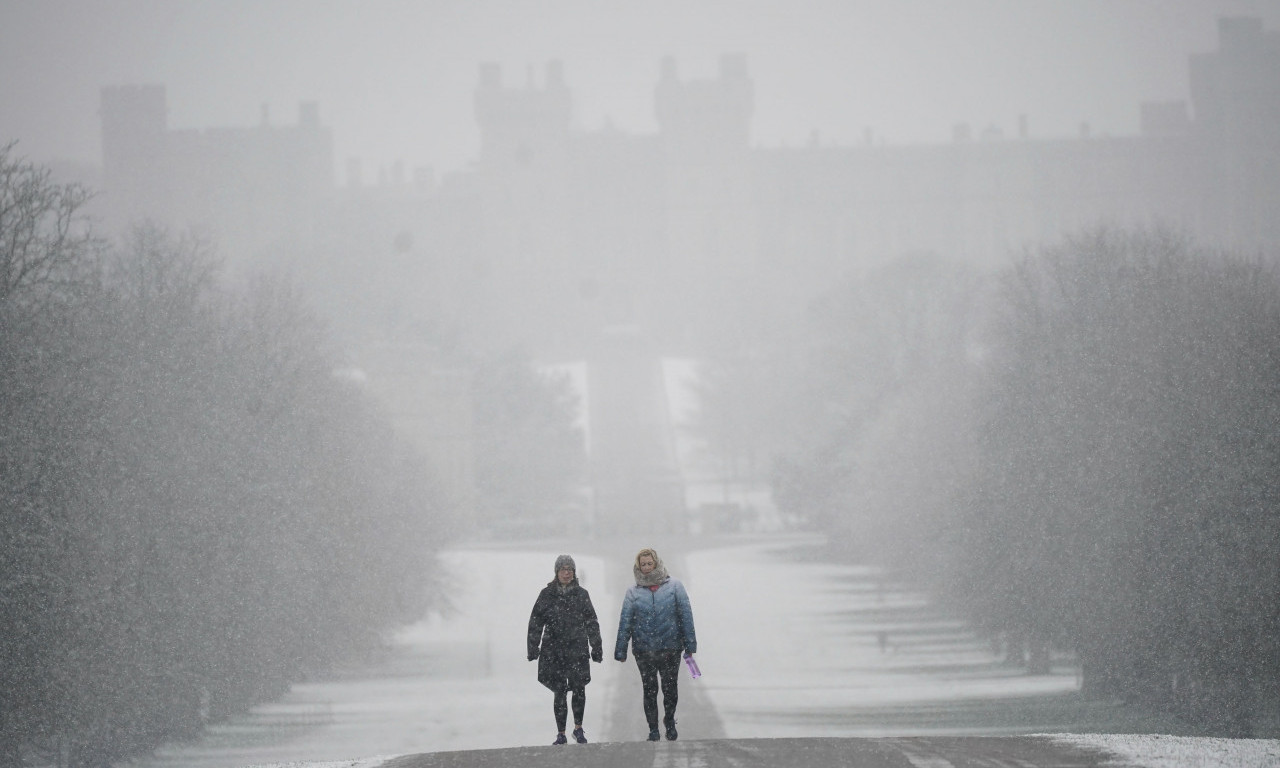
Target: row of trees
(195, 511)
(1081, 451)
(1128, 500)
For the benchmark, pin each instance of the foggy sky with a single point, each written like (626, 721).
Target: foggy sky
(394, 80)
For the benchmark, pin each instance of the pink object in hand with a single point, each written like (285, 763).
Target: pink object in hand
(693, 666)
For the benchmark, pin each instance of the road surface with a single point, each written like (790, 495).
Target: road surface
(918, 752)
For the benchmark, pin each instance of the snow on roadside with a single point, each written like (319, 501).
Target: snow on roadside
(783, 641)
(1152, 751)
(460, 681)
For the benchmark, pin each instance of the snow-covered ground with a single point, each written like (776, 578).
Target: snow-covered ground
(1153, 751)
(804, 638)
(453, 682)
(789, 646)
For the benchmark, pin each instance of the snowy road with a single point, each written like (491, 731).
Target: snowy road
(791, 647)
(964, 752)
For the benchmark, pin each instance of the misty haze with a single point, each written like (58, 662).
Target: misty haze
(933, 345)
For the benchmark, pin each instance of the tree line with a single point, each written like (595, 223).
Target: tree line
(196, 511)
(1079, 450)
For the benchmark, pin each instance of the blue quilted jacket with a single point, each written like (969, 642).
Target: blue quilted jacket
(659, 620)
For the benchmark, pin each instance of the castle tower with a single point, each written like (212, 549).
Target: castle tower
(704, 139)
(523, 186)
(521, 125)
(1235, 90)
(134, 128)
(706, 117)
(1235, 93)
(246, 188)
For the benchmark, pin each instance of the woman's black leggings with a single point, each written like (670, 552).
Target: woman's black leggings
(561, 706)
(655, 665)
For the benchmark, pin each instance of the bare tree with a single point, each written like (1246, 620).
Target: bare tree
(43, 238)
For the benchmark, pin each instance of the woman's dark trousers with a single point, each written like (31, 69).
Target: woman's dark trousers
(561, 707)
(655, 666)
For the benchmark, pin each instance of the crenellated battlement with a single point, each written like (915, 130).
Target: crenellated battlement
(516, 123)
(706, 113)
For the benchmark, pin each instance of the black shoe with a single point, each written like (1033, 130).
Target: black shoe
(579, 736)
(653, 735)
(560, 740)
(671, 733)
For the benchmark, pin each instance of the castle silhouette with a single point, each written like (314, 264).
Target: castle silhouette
(579, 243)
(554, 230)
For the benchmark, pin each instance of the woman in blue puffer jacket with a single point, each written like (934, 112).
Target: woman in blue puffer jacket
(658, 621)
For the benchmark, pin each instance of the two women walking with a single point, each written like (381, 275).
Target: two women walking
(656, 620)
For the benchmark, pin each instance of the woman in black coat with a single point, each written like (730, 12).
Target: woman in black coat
(563, 632)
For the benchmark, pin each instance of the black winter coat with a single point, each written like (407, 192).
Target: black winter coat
(563, 631)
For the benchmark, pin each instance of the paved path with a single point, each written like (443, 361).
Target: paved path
(696, 715)
(953, 752)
